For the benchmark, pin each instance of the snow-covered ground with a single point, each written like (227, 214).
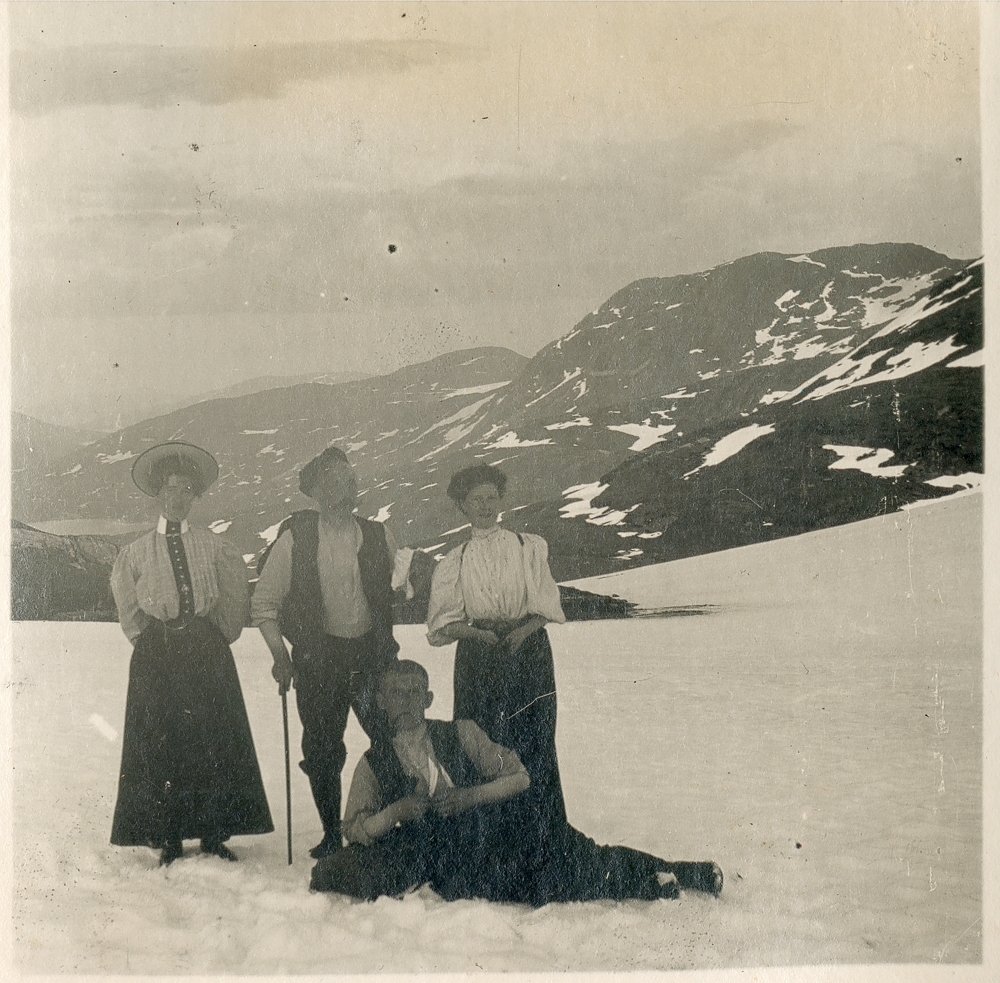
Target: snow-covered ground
(818, 735)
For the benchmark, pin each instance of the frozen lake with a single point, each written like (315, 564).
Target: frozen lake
(818, 735)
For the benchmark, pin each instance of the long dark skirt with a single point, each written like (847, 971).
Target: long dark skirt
(189, 769)
(512, 696)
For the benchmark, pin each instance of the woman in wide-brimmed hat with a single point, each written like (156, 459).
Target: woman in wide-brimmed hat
(189, 769)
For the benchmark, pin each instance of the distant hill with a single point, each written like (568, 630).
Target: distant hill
(133, 407)
(765, 397)
(387, 424)
(263, 382)
(35, 445)
(35, 448)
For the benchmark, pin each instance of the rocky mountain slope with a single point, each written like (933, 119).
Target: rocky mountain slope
(61, 577)
(765, 397)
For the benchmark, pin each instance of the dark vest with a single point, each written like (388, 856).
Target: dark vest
(301, 616)
(396, 784)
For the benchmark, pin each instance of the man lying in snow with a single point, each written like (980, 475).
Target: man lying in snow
(434, 806)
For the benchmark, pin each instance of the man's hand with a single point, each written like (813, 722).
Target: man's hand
(452, 801)
(415, 805)
(284, 673)
(485, 637)
(282, 670)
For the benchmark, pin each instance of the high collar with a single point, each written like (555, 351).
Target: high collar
(161, 526)
(478, 533)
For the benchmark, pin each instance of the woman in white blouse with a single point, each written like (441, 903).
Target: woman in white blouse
(189, 769)
(494, 595)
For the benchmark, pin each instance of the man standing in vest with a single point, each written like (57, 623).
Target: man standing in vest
(327, 588)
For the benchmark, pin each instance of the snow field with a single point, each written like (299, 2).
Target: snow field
(818, 735)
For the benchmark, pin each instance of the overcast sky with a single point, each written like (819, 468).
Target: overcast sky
(208, 192)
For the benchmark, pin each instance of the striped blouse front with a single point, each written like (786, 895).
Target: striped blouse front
(144, 588)
(494, 576)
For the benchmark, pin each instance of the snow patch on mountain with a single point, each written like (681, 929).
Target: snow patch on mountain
(731, 444)
(457, 432)
(463, 414)
(681, 393)
(270, 534)
(115, 458)
(976, 360)
(851, 372)
(383, 514)
(628, 554)
(250, 433)
(510, 439)
(785, 299)
(805, 259)
(73, 470)
(475, 390)
(567, 337)
(580, 421)
(581, 505)
(646, 433)
(867, 459)
(220, 526)
(829, 311)
(970, 480)
(883, 301)
(567, 377)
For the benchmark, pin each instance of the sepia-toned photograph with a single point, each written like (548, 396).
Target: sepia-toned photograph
(497, 488)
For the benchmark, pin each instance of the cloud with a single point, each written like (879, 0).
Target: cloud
(154, 76)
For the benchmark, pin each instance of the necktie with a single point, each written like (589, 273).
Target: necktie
(182, 575)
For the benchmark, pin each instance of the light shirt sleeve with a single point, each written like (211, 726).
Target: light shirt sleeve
(232, 609)
(493, 760)
(131, 617)
(274, 582)
(543, 591)
(401, 570)
(447, 603)
(364, 800)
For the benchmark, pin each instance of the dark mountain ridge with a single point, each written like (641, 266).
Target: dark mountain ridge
(685, 414)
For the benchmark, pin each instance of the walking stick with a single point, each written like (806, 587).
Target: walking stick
(288, 776)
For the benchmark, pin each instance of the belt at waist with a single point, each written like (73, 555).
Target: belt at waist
(500, 627)
(181, 623)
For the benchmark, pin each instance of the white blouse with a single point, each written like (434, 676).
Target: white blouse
(144, 587)
(492, 577)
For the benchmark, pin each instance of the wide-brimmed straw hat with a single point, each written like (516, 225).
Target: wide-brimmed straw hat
(150, 465)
